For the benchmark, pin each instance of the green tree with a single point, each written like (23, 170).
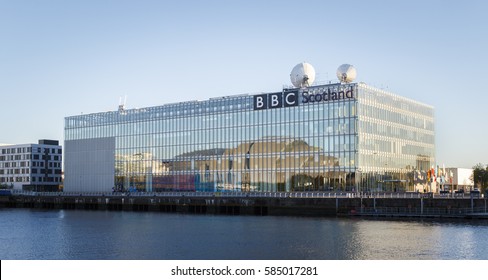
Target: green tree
(480, 176)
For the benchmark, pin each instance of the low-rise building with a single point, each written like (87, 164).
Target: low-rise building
(459, 179)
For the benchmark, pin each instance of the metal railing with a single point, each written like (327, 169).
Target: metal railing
(317, 194)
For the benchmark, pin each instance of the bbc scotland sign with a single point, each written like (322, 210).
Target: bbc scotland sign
(275, 100)
(295, 97)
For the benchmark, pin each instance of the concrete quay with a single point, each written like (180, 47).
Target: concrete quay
(290, 204)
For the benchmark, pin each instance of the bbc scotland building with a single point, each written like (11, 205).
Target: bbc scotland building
(330, 137)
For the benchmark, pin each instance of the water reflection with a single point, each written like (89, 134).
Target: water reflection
(419, 240)
(32, 234)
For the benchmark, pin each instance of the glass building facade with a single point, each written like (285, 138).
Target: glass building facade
(335, 137)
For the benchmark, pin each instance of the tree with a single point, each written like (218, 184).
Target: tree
(480, 176)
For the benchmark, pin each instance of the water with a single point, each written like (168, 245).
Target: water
(71, 234)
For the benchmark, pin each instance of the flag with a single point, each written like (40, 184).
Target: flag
(432, 174)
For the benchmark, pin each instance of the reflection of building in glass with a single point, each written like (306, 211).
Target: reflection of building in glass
(135, 172)
(325, 137)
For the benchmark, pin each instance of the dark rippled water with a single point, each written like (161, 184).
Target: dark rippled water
(62, 234)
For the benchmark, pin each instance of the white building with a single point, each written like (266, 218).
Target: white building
(459, 178)
(31, 166)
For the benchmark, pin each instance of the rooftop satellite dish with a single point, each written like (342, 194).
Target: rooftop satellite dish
(302, 75)
(346, 73)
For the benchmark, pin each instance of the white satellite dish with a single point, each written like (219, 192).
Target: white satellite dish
(302, 75)
(346, 73)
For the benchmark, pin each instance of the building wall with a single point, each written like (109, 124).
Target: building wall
(461, 178)
(31, 166)
(396, 140)
(89, 165)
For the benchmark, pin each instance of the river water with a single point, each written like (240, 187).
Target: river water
(77, 234)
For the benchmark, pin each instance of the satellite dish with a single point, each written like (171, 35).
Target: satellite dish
(302, 75)
(346, 73)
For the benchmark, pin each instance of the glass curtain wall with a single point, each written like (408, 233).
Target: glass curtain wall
(224, 144)
(397, 141)
(373, 141)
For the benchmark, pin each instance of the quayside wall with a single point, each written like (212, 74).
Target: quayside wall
(249, 205)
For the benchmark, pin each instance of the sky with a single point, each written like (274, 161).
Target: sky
(64, 58)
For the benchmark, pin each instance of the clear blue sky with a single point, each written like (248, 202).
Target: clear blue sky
(62, 58)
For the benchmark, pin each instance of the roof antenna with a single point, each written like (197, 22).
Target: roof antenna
(122, 104)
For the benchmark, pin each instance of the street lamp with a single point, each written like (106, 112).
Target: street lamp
(247, 166)
(358, 180)
(359, 189)
(375, 173)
